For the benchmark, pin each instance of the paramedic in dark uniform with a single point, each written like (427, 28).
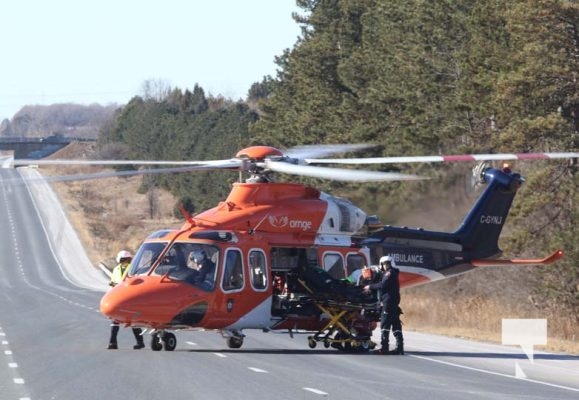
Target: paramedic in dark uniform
(389, 288)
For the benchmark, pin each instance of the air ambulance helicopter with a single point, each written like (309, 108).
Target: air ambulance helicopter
(274, 255)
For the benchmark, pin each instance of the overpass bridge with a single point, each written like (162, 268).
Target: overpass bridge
(34, 147)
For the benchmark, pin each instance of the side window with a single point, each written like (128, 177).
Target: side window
(334, 265)
(288, 258)
(354, 262)
(233, 272)
(257, 270)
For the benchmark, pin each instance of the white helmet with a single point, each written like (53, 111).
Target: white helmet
(124, 254)
(198, 256)
(385, 259)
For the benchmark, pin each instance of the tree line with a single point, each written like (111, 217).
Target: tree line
(414, 78)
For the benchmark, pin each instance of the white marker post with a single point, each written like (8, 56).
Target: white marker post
(525, 333)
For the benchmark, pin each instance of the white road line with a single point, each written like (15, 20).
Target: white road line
(263, 371)
(316, 391)
(484, 371)
(191, 343)
(12, 364)
(220, 355)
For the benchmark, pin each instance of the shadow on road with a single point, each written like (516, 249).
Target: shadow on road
(522, 356)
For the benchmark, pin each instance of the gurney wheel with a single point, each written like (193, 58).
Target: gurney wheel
(327, 344)
(312, 342)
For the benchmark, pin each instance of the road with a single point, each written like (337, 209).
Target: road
(53, 342)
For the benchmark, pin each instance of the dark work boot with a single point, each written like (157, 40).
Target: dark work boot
(385, 343)
(399, 343)
(113, 339)
(140, 343)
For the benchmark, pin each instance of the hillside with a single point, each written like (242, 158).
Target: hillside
(66, 119)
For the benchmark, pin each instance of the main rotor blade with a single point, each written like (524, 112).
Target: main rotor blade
(110, 174)
(450, 158)
(324, 150)
(338, 174)
(231, 163)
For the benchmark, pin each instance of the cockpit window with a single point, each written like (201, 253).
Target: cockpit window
(146, 257)
(194, 263)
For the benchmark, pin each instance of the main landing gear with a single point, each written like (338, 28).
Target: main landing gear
(233, 338)
(234, 342)
(163, 340)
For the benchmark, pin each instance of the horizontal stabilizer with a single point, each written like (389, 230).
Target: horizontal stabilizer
(538, 261)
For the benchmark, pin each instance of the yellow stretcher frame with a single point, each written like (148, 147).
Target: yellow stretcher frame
(338, 333)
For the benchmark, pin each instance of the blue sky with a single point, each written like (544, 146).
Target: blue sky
(61, 51)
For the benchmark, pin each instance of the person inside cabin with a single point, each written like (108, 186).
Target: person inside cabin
(204, 267)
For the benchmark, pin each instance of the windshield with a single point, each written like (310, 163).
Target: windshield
(193, 263)
(145, 257)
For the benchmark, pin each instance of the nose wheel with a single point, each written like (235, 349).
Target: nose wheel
(163, 340)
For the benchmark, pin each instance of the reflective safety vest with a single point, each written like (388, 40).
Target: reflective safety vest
(119, 273)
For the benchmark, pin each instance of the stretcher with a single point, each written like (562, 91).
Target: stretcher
(350, 320)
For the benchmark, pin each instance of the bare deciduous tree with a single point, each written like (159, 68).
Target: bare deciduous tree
(156, 89)
(153, 202)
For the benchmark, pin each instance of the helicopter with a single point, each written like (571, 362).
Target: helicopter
(275, 256)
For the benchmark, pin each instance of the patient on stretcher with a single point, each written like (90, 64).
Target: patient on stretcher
(322, 284)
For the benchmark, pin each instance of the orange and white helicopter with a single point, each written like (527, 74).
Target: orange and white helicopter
(273, 255)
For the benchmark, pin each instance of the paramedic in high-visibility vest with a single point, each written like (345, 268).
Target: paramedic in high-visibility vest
(123, 259)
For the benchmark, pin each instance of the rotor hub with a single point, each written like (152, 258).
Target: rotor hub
(259, 153)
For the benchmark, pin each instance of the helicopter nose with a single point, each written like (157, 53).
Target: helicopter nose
(113, 305)
(151, 301)
(122, 303)
(107, 307)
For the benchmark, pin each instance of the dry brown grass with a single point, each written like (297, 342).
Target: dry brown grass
(480, 318)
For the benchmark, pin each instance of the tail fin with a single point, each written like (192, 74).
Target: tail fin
(479, 232)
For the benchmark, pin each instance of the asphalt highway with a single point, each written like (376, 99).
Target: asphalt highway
(53, 341)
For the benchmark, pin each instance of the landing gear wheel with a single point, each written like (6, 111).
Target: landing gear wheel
(234, 342)
(169, 341)
(312, 342)
(156, 344)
